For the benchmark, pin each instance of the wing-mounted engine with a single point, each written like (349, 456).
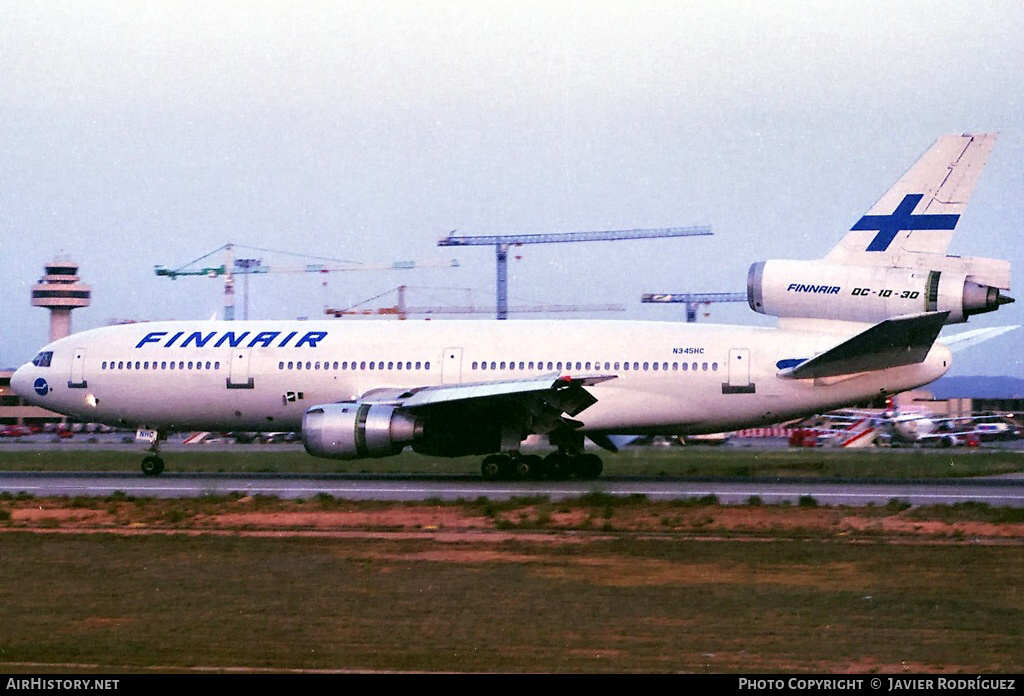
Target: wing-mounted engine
(357, 430)
(445, 420)
(923, 283)
(360, 430)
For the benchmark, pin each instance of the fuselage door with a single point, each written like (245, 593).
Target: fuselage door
(451, 366)
(76, 380)
(238, 377)
(739, 373)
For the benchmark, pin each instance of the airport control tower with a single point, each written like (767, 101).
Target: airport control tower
(60, 292)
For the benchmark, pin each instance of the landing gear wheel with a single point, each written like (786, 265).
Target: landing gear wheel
(529, 467)
(589, 466)
(152, 465)
(493, 467)
(560, 466)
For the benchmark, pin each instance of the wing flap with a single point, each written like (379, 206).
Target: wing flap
(894, 342)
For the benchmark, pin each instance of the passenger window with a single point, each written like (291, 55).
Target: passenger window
(391, 365)
(685, 367)
(426, 365)
(704, 367)
(655, 366)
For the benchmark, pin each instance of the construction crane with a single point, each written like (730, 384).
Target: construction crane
(692, 299)
(254, 266)
(402, 310)
(502, 242)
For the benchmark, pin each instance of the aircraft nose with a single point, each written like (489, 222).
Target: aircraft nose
(21, 382)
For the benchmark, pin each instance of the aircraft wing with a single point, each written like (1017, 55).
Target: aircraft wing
(566, 393)
(533, 405)
(894, 342)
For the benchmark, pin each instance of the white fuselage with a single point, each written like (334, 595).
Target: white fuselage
(263, 375)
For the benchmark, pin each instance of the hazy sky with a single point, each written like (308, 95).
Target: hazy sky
(144, 133)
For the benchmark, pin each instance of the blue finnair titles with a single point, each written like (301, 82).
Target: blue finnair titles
(820, 289)
(231, 339)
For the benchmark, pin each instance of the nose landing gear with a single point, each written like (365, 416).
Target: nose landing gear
(153, 464)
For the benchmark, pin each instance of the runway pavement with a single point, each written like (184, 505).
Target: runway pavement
(996, 491)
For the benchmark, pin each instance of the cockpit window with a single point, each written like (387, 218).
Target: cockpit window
(43, 359)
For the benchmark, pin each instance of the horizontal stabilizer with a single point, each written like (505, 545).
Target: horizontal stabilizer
(894, 342)
(960, 341)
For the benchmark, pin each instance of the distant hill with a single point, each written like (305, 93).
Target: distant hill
(978, 387)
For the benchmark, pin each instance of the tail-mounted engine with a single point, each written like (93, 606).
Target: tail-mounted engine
(820, 290)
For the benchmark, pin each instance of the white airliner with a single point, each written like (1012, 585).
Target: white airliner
(858, 323)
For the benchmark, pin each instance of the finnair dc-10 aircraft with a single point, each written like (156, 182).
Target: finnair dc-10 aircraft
(860, 322)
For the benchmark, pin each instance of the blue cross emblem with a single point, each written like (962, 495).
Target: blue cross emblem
(902, 219)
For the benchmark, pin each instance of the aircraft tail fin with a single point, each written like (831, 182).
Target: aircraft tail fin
(921, 210)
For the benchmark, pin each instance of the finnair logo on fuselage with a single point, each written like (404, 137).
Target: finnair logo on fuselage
(231, 339)
(820, 289)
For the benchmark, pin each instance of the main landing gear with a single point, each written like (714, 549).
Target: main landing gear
(558, 466)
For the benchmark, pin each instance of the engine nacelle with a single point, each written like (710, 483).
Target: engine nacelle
(820, 290)
(359, 430)
(356, 430)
